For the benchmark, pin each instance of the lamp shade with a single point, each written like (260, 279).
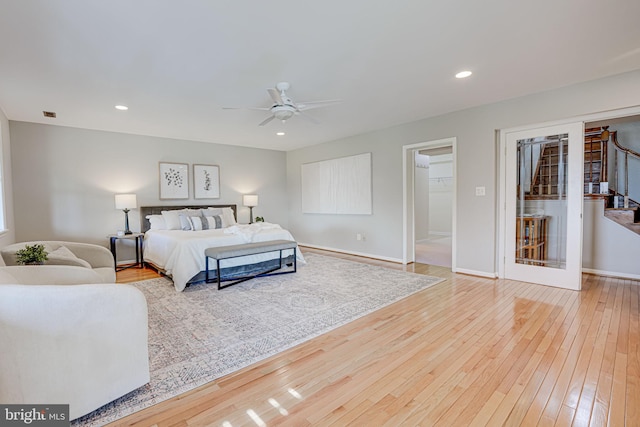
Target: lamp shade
(250, 200)
(126, 201)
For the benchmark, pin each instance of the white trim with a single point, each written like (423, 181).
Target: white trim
(408, 239)
(476, 273)
(343, 251)
(611, 274)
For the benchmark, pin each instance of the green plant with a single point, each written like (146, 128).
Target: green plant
(34, 254)
(259, 219)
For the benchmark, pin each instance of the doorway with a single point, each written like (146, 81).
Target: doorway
(429, 202)
(433, 199)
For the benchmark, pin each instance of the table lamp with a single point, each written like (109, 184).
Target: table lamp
(126, 202)
(250, 200)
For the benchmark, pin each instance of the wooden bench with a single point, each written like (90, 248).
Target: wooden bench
(220, 253)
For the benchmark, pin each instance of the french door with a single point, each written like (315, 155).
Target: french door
(543, 205)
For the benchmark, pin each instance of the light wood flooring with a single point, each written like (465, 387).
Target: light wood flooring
(468, 351)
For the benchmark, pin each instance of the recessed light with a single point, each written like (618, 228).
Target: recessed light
(463, 74)
(279, 133)
(122, 107)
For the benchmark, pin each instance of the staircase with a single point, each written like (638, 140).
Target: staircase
(545, 181)
(626, 217)
(618, 206)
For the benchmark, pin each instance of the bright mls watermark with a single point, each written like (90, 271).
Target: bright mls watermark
(34, 415)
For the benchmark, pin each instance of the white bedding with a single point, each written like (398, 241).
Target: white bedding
(181, 253)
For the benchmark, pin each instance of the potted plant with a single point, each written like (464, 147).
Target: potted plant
(259, 219)
(31, 255)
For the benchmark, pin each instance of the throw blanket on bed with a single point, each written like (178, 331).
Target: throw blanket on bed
(247, 232)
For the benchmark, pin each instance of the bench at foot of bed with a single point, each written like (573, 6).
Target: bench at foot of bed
(234, 251)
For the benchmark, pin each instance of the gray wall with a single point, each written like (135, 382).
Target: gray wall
(476, 165)
(65, 179)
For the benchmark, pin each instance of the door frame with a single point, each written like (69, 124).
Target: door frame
(408, 202)
(501, 150)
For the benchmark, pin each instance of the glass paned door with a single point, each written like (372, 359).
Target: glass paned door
(544, 205)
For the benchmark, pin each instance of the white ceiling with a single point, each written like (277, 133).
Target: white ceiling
(177, 63)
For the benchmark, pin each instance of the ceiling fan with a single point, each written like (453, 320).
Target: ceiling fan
(284, 108)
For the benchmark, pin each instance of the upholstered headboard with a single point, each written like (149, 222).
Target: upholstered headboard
(157, 210)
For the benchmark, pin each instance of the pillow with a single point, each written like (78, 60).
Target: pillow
(198, 223)
(228, 218)
(213, 222)
(156, 222)
(63, 256)
(185, 222)
(211, 211)
(172, 218)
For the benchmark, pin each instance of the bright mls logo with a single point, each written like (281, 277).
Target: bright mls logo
(34, 415)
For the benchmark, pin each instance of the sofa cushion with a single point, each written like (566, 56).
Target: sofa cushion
(63, 256)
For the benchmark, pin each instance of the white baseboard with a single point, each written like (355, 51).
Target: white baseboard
(476, 273)
(343, 251)
(611, 274)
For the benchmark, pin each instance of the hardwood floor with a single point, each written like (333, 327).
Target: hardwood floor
(468, 351)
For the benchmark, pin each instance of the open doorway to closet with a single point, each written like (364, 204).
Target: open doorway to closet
(429, 203)
(433, 207)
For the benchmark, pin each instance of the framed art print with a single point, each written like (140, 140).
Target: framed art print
(174, 181)
(206, 181)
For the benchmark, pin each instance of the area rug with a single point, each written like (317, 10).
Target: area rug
(202, 334)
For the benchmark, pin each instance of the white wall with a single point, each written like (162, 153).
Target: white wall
(476, 164)
(8, 236)
(440, 194)
(65, 179)
(608, 247)
(421, 196)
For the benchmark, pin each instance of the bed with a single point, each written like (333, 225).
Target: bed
(176, 237)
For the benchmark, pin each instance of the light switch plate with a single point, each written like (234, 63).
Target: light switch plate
(480, 191)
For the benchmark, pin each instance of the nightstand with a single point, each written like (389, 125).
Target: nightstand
(138, 237)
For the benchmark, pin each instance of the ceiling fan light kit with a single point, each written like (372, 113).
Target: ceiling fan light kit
(284, 108)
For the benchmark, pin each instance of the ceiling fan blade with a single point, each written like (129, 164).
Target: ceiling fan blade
(267, 120)
(247, 108)
(308, 117)
(317, 104)
(275, 95)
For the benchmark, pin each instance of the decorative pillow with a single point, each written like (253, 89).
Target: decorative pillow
(199, 223)
(156, 222)
(226, 214)
(185, 222)
(63, 256)
(196, 223)
(213, 222)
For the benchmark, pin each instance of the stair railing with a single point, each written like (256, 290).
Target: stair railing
(626, 153)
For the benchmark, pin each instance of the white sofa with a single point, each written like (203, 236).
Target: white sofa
(83, 345)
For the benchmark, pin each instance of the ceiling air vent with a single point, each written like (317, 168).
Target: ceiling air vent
(49, 114)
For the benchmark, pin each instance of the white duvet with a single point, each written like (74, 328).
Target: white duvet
(181, 253)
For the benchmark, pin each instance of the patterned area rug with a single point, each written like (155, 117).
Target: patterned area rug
(202, 334)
